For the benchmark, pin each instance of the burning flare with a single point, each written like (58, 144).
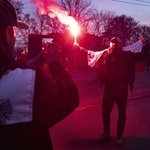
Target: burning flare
(53, 9)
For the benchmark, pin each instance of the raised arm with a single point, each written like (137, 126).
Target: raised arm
(77, 46)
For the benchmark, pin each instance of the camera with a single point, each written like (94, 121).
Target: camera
(38, 44)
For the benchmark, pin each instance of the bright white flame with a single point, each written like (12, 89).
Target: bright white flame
(74, 28)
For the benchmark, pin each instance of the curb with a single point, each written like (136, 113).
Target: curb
(139, 96)
(82, 108)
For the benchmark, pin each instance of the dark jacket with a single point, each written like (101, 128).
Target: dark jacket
(119, 67)
(54, 99)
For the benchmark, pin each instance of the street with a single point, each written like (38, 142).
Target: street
(81, 129)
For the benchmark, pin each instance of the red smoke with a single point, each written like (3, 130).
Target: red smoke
(53, 9)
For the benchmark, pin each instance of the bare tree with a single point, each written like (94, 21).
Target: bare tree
(46, 25)
(42, 24)
(56, 26)
(101, 21)
(81, 10)
(22, 35)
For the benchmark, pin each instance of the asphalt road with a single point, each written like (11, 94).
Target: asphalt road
(81, 129)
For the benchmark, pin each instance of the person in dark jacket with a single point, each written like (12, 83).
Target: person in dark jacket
(116, 70)
(31, 100)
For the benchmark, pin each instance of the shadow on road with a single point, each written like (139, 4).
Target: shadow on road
(129, 143)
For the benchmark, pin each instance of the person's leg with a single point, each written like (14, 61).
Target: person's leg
(121, 105)
(107, 106)
(121, 118)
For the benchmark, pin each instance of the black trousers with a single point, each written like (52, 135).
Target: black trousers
(115, 93)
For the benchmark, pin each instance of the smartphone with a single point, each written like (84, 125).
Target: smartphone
(34, 45)
(38, 44)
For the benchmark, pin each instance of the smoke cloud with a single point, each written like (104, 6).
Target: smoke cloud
(53, 9)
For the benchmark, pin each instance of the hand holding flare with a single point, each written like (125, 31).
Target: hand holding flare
(76, 45)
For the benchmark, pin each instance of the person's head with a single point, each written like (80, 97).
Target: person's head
(8, 23)
(115, 43)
